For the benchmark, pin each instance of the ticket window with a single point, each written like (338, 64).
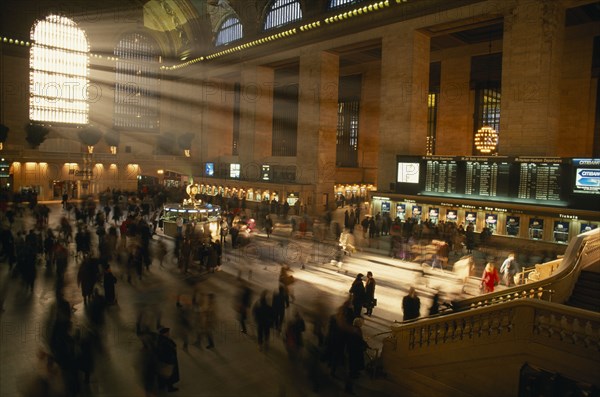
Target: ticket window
(471, 219)
(417, 210)
(536, 229)
(451, 216)
(386, 207)
(586, 227)
(491, 222)
(512, 225)
(434, 214)
(561, 232)
(401, 212)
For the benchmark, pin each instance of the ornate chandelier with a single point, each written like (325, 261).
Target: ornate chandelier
(486, 139)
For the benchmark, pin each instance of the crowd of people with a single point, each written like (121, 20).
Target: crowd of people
(115, 237)
(105, 244)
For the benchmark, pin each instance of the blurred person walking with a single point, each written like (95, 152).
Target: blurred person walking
(357, 291)
(242, 304)
(168, 364)
(278, 305)
(109, 283)
(268, 225)
(411, 305)
(356, 348)
(286, 280)
(208, 320)
(370, 301)
(293, 336)
(508, 270)
(489, 279)
(463, 269)
(263, 316)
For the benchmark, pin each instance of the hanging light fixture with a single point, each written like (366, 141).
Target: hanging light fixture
(486, 137)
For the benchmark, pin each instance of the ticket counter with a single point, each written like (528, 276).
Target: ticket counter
(204, 217)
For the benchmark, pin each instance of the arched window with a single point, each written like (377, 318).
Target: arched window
(283, 12)
(340, 3)
(137, 83)
(230, 30)
(58, 72)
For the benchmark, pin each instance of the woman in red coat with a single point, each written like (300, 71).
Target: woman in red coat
(489, 278)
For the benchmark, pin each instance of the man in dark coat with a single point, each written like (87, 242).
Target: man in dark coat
(278, 305)
(370, 294)
(411, 305)
(356, 347)
(109, 286)
(263, 315)
(243, 302)
(7, 243)
(168, 366)
(358, 294)
(87, 277)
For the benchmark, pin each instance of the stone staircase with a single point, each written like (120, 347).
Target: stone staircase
(586, 293)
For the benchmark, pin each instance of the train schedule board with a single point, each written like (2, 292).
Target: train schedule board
(547, 181)
(540, 178)
(485, 176)
(441, 174)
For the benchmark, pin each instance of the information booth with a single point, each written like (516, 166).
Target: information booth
(203, 217)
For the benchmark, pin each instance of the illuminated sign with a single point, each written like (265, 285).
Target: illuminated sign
(209, 169)
(408, 172)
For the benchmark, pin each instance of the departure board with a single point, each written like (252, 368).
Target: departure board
(549, 181)
(539, 179)
(485, 177)
(440, 175)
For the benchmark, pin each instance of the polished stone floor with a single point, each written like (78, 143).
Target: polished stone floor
(235, 367)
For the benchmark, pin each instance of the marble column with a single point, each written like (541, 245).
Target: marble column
(404, 87)
(317, 124)
(256, 114)
(531, 63)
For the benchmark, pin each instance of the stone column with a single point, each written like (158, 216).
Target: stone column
(256, 114)
(317, 123)
(532, 49)
(404, 87)
(455, 110)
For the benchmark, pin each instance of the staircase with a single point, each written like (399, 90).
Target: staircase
(486, 346)
(586, 293)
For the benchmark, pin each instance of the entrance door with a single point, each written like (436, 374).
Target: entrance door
(58, 189)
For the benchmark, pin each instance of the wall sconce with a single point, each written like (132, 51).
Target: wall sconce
(186, 152)
(90, 149)
(113, 150)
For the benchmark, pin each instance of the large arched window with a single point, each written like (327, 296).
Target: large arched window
(58, 72)
(137, 83)
(230, 31)
(340, 3)
(283, 12)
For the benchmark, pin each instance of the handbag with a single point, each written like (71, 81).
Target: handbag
(374, 302)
